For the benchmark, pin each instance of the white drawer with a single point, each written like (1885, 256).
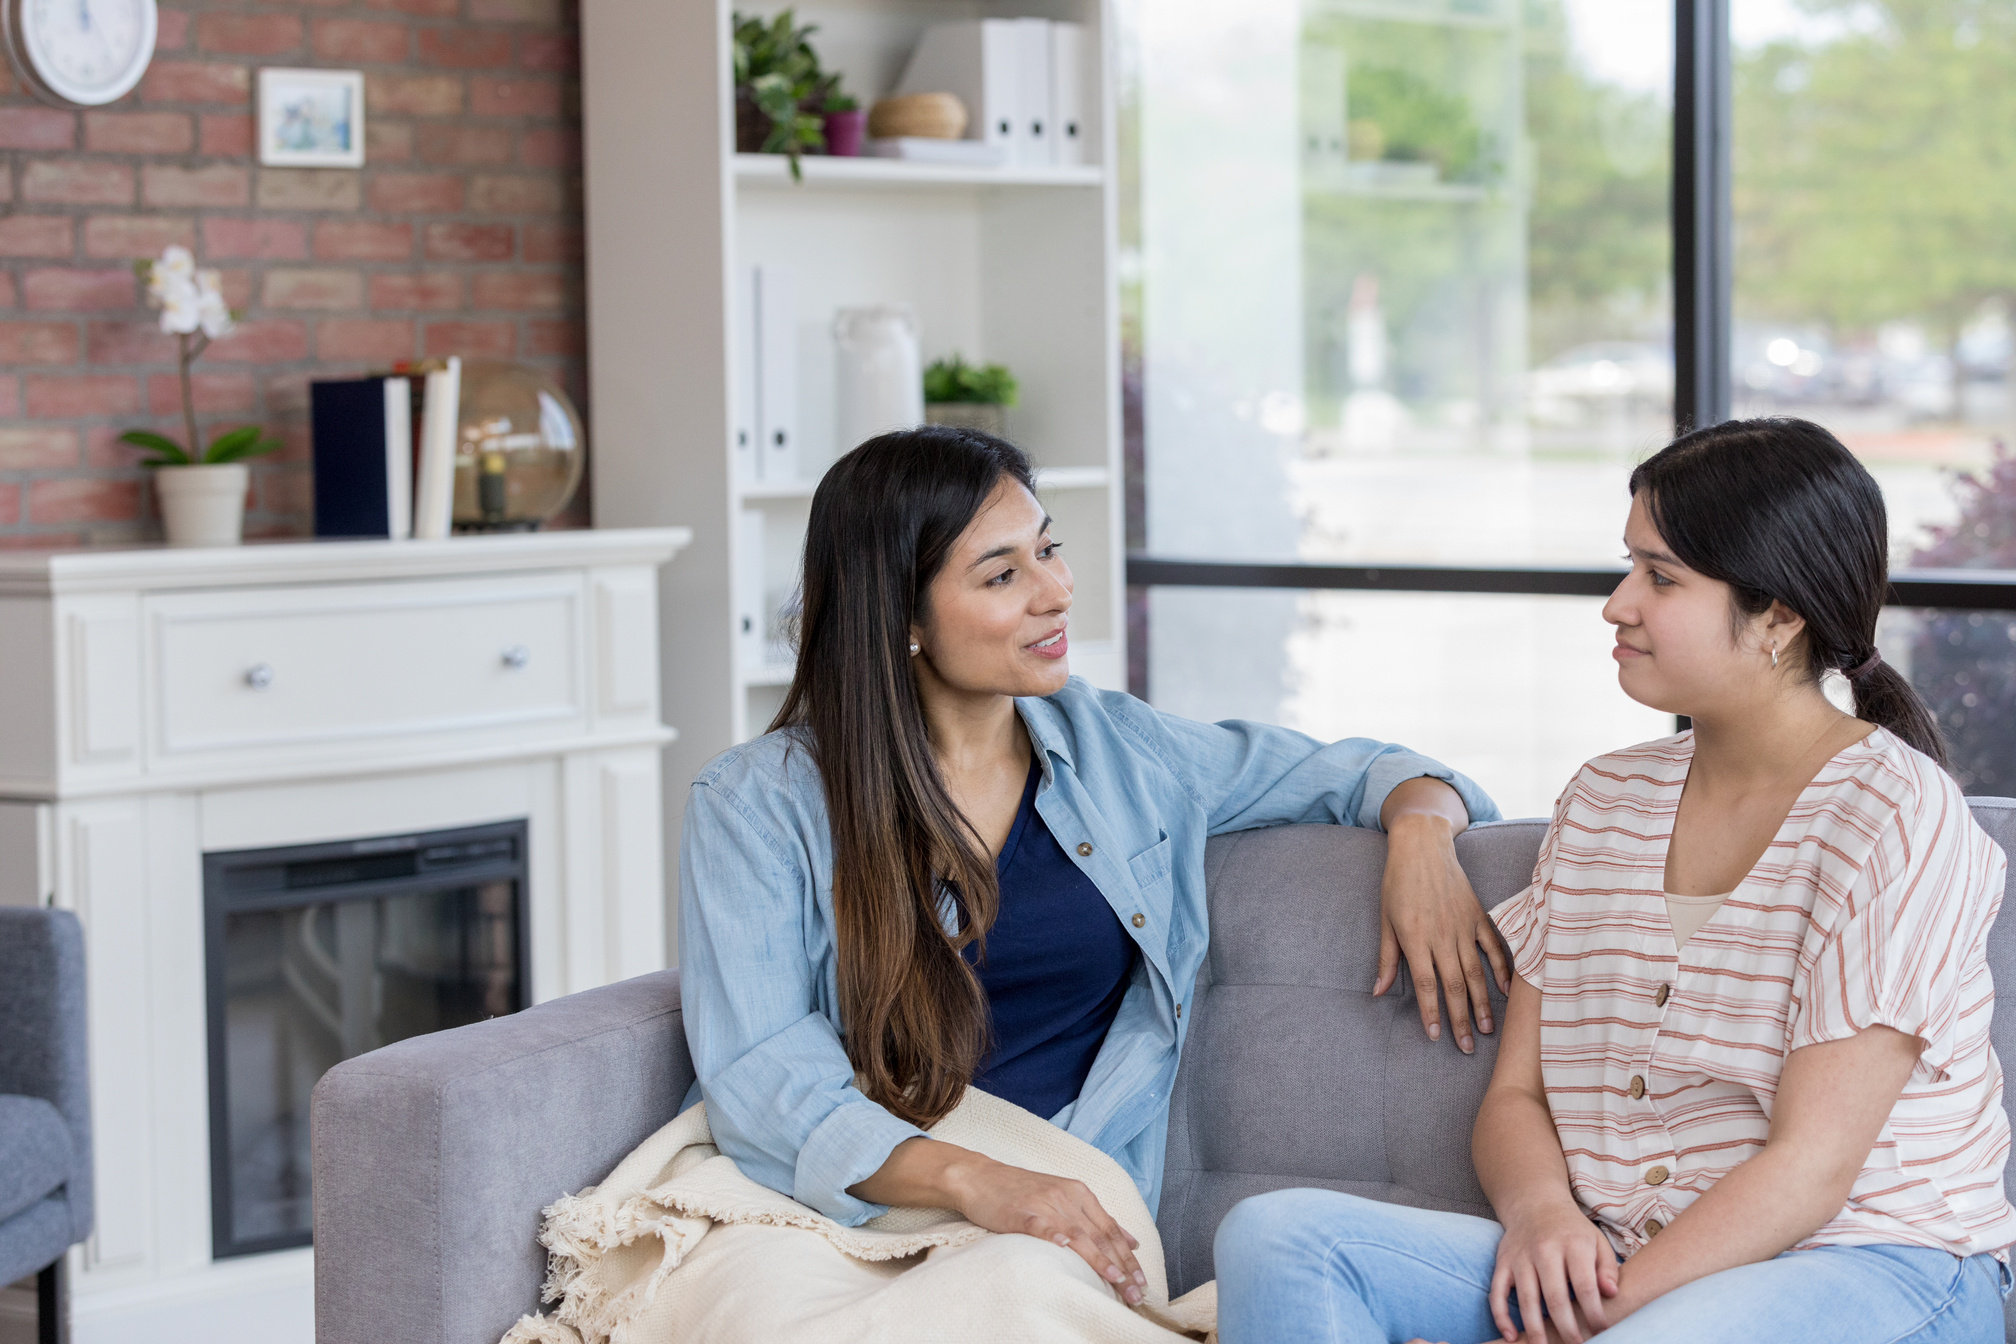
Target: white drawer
(300, 666)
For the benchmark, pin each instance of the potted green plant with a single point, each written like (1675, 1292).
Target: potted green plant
(201, 490)
(844, 121)
(973, 395)
(780, 91)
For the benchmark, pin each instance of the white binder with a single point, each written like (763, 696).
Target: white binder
(977, 60)
(1072, 98)
(776, 304)
(749, 613)
(742, 354)
(1032, 62)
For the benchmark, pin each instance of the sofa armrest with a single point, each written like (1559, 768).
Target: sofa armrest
(43, 1049)
(434, 1157)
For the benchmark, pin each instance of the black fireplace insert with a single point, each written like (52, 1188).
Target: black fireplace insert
(318, 953)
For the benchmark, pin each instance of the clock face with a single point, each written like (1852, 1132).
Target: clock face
(87, 51)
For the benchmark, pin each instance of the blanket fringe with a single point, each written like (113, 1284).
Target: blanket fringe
(539, 1330)
(578, 1229)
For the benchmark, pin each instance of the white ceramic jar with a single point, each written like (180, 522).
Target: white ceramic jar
(203, 505)
(879, 380)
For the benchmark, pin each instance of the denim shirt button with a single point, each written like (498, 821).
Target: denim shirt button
(1140, 921)
(1085, 849)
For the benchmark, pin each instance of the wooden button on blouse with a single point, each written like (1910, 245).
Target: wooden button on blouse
(1653, 1227)
(1660, 997)
(1657, 1176)
(1637, 1086)
(1085, 850)
(1140, 920)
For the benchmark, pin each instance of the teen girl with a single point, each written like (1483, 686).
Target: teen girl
(1745, 1089)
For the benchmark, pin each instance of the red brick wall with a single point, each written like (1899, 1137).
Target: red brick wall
(461, 235)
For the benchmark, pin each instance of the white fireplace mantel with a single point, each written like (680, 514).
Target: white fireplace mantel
(159, 704)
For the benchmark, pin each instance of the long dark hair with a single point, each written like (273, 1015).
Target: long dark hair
(884, 520)
(1781, 511)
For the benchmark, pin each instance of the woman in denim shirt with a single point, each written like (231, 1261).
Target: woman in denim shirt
(949, 863)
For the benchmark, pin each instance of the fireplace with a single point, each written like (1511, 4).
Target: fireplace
(318, 953)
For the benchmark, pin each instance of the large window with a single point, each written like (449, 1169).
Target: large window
(1399, 291)
(1402, 289)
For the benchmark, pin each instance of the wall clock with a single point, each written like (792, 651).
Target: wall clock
(79, 53)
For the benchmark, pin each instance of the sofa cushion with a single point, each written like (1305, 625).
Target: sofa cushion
(35, 1154)
(1293, 1074)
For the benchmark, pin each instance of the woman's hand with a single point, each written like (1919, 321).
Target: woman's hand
(1542, 1257)
(924, 1173)
(1429, 914)
(1002, 1198)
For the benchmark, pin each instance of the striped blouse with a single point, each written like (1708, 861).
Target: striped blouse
(1871, 906)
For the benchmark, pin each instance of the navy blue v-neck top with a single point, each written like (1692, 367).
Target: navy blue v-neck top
(1058, 963)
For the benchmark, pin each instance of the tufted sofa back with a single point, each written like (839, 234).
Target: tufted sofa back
(1294, 1075)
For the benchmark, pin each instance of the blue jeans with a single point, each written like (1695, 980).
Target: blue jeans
(1318, 1267)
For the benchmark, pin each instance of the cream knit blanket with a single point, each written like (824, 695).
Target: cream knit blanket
(677, 1246)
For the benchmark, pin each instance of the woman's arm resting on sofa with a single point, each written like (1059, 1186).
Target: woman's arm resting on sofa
(1429, 914)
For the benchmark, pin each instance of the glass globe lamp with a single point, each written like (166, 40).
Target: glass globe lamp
(519, 449)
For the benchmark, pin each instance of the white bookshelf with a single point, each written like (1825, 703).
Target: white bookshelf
(1007, 264)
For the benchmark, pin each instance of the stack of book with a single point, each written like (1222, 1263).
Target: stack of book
(385, 454)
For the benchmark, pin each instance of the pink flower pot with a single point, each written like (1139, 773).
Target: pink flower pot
(844, 131)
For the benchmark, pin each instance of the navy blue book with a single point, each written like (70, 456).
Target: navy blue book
(363, 433)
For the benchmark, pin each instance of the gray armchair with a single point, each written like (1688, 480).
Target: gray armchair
(45, 1111)
(433, 1157)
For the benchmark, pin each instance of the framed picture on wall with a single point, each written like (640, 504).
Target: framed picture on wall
(311, 118)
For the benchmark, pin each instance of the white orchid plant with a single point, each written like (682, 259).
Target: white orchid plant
(194, 312)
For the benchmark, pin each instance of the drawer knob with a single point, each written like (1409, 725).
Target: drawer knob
(517, 656)
(259, 676)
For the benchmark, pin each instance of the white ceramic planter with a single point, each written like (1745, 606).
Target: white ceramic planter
(203, 505)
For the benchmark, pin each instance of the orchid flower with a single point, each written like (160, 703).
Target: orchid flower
(192, 306)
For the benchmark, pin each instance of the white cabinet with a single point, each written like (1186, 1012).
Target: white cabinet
(160, 705)
(1016, 265)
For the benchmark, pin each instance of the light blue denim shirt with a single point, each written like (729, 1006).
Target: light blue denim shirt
(1131, 793)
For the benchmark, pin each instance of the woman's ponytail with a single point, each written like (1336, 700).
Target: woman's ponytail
(1883, 697)
(1781, 511)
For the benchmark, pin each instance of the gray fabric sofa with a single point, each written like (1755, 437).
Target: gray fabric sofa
(433, 1157)
(45, 1110)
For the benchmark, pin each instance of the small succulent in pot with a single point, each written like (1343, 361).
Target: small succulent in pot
(980, 384)
(845, 122)
(975, 396)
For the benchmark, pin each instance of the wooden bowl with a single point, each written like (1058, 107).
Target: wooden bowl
(927, 116)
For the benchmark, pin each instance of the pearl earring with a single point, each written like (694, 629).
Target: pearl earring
(913, 653)
(1774, 654)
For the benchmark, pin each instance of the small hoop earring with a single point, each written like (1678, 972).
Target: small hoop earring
(1774, 654)
(913, 654)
